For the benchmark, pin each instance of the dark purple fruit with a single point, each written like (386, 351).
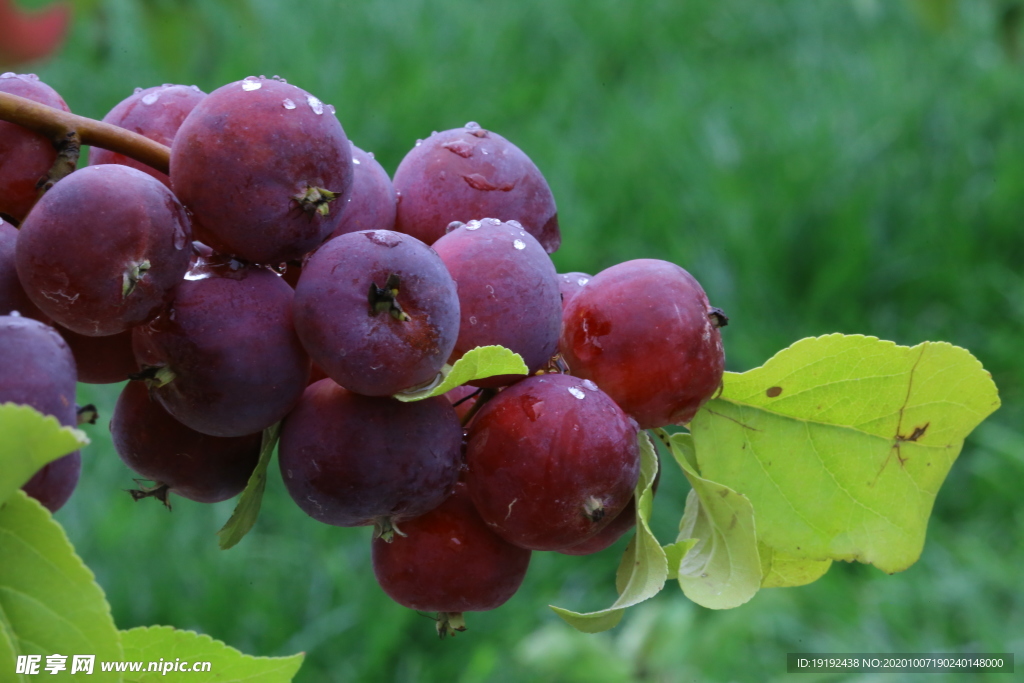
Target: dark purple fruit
(352, 460)
(102, 360)
(372, 204)
(38, 370)
(25, 156)
(378, 311)
(508, 292)
(102, 249)
(224, 358)
(468, 173)
(448, 561)
(552, 461)
(569, 284)
(645, 333)
(203, 468)
(12, 294)
(157, 114)
(265, 168)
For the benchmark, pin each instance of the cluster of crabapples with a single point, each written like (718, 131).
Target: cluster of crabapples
(278, 274)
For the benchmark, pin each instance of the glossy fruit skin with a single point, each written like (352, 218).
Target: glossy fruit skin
(155, 113)
(548, 469)
(206, 469)
(449, 561)
(352, 460)
(102, 360)
(470, 173)
(25, 156)
(37, 369)
(86, 233)
(372, 352)
(228, 339)
(12, 294)
(623, 523)
(571, 283)
(508, 292)
(242, 156)
(373, 202)
(644, 331)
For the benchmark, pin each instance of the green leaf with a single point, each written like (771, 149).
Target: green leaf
(153, 643)
(49, 600)
(248, 509)
(722, 569)
(842, 442)
(643, 569)
(28, 441)
(478, 363)
(779, 570)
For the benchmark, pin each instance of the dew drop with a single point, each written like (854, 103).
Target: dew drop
(587, 384)
(472, 320)
(195, 88)
(370, 154)
(11, 74)
(494, 221)
(519, 244)
(151, 98)
(473, 225)
(315, 104)
(577, 392)
(472, 125)
(137, 91)
(331, 109)
(288, 104)
(453, 225)
(419, 142)
(582, 281)
(250, 83)
(515, 224)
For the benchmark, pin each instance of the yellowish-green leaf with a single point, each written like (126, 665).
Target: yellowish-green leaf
(643, 569)
(49, 601)
(187, 648)
(779, 570)
(479, 363)
(722, 569)
(28, 441)
(842, 442)
(248, 508)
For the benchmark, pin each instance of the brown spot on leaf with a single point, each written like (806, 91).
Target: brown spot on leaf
(773, 392)
(723, 493)
(733, 521)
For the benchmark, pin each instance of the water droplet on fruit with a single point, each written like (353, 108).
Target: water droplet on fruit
(315, 104)
(519, 244)
(331, 109)
(495, 221)
(453, 225)
(473, 225)
(419, 142)
(250, 83)
(587, 384)
(356, 161)
(151, 98)
(288, 104)
(577, 392)
(7, 74)
(515, 224)
(472, 320)
(472, 125)
(195, 88)
(384, 238)
(582, 281)
(370, 154)
(136, 91)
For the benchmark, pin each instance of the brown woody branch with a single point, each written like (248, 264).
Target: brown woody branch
(60, 126)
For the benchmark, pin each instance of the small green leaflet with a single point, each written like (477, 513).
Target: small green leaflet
(478, 363)
(248, 508)
(721, 569)
(841, 444)
(28, 441)
(49, 601)
(153, 643)
(642, 572)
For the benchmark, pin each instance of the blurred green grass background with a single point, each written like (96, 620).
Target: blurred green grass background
(852, 166)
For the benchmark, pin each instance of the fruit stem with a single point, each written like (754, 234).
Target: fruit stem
(58, 125)
(485, 396)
